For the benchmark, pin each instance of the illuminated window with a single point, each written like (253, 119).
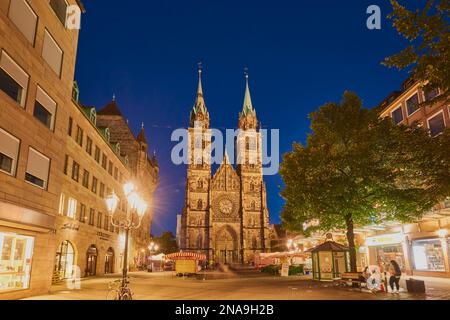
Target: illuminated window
(16, 252)
(71, 208)
(61, 203)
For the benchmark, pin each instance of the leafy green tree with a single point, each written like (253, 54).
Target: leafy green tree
(357, 169)
(167, 242)
(428, 55)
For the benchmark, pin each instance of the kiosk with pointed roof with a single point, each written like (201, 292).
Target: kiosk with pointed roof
(329, 260)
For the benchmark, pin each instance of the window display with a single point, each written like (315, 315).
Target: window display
(428, 255)
(15, 261)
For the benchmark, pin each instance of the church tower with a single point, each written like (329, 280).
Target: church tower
(195, 216)
(254, 213)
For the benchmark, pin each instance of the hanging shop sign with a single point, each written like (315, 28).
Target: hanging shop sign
(385, 239)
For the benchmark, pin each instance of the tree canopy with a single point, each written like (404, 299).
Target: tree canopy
(428, 55)
(358, 169)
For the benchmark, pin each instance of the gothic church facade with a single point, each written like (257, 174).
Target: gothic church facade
(225, 215)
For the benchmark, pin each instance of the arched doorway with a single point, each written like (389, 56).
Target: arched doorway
(226, 247)
(91, 261)
(109, 261)
(65, 260)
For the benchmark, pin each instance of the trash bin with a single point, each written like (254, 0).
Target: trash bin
(415, 286)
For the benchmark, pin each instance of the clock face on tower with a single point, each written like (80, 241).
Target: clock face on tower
(225, 206)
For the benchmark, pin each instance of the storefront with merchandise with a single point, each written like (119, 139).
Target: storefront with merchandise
(381, 249)
(26, 243)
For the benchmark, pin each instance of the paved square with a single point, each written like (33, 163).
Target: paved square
(230, 286)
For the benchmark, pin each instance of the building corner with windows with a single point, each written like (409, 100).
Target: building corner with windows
(59, 159)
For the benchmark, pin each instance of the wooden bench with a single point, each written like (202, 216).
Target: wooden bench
(353, 278)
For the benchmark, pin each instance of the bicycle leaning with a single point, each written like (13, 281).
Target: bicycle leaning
(119, 290)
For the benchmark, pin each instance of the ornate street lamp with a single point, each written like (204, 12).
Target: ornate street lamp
(152, 247)
(132, 220)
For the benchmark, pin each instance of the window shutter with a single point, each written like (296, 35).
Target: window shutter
(38, 164)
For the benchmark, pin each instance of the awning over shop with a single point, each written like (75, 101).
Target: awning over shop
(186, 256)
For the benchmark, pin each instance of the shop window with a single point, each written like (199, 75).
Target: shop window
(44, 108)
(412, 104)
(16, 252)
(428, 255)
(60, 9)
(436, 124)
(52, 53)
(71, 208)
(9, 152)
(65, 260)
(38, 166)
(397, 115)
(13, 79)
(23, 16)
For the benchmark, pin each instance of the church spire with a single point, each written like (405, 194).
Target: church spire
(247, 106)
(247, 117)
(199, 111)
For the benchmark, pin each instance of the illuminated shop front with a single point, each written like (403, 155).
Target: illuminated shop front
(386, 247)
(428, 255)
(16, 252)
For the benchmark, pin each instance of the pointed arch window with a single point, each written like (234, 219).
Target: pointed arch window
(200, 184)
(253, 205)
(200, 204)
(252, 186)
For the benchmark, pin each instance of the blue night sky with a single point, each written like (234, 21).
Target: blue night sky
(300, 55)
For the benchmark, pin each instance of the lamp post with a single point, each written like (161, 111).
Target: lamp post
(136, 209)
(152, 247)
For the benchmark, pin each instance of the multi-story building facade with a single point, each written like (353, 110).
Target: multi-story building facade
(225, 216)
(58, 159)
(96, 163)
(37, 66)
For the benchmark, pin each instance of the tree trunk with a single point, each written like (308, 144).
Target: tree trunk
(351, 242)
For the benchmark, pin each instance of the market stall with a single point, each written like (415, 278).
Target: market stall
(186, 262)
